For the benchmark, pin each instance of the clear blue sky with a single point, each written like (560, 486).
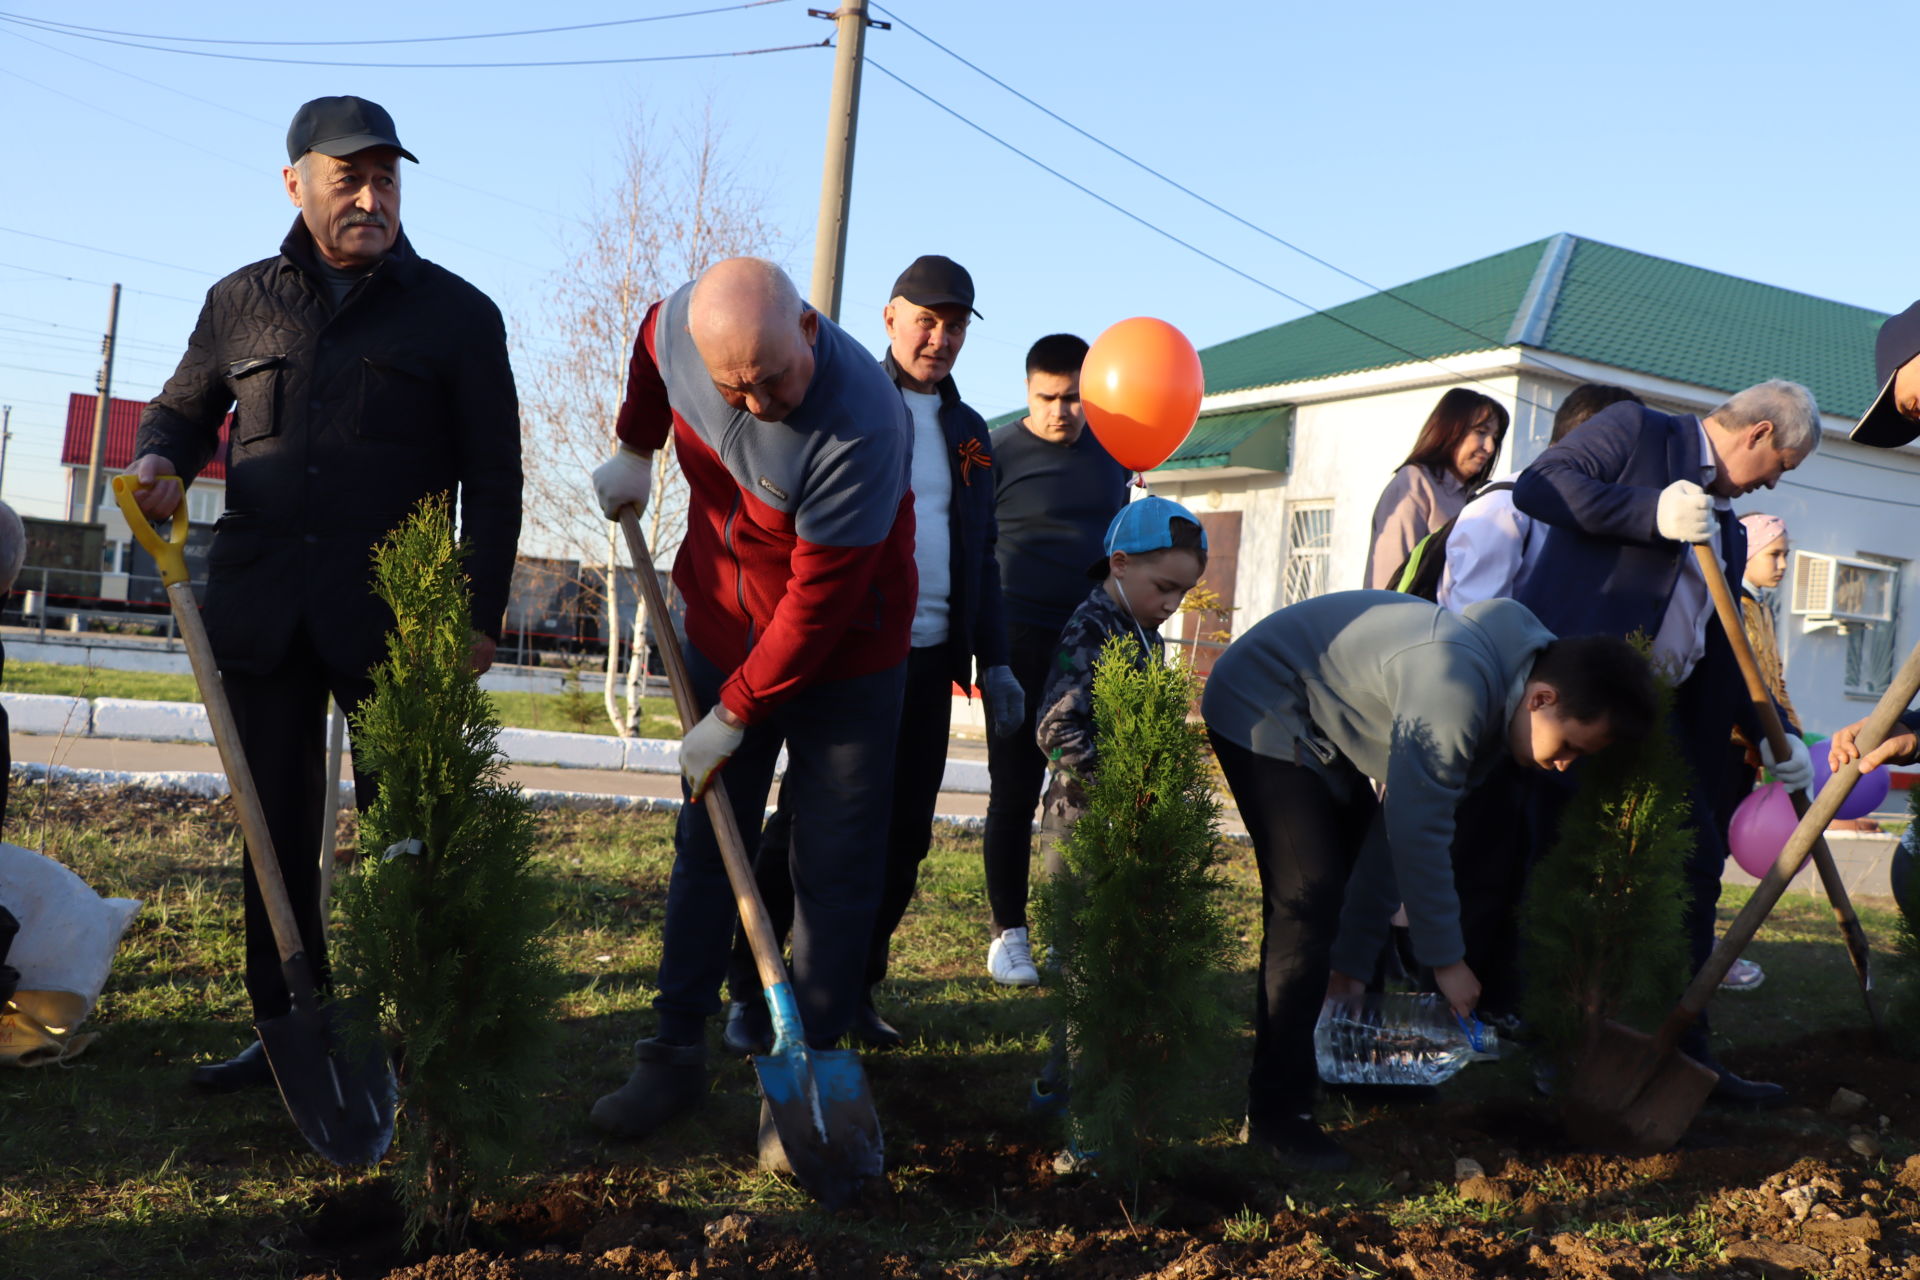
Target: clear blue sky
(1396, 139)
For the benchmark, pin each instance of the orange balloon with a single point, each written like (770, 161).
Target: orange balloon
(1141, 385)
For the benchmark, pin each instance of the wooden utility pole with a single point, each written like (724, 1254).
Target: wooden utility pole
(6, 434)
(836, 180)
(100, 410)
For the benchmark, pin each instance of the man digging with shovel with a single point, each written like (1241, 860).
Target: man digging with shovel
(362, 378)
(798, 576)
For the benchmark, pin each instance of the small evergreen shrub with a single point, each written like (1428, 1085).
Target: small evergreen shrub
(1135, 922)
(444, 923)
(1603, 922)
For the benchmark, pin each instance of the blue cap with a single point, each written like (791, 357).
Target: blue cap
(1144, 526)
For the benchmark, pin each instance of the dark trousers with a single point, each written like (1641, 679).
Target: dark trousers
(1016, 768)
(840, 749)
(919, 763)
(1700, 725)
(1491, 859)
(282, 716)
(1305, 842)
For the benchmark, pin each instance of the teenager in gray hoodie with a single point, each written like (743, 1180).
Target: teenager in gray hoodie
(1316, 699)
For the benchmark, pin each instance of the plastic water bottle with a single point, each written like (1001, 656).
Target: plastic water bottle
(1396, 1038)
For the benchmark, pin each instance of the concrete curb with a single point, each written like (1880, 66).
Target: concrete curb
(187, 722)
(48, 713)
(211, 786)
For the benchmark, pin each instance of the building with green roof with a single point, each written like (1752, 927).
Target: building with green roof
(1305, 422)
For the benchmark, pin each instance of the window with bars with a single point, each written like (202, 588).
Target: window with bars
(1871, 654)
(1309, 550)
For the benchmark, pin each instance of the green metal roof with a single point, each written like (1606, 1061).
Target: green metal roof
(1260, 438)
(1574, 297)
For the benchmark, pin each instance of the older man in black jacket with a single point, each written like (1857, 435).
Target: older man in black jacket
(362, 378)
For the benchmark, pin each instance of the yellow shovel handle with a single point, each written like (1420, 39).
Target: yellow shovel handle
(169, 554)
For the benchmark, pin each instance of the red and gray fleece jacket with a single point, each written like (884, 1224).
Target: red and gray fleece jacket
(797, 567)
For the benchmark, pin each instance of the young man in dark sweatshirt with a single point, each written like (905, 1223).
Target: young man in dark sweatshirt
(1056, 491)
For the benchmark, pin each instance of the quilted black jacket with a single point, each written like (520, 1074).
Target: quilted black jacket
(343, 421)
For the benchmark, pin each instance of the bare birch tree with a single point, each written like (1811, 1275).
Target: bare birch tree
(676, 204)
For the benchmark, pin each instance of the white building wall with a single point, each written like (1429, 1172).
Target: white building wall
(1344, 452)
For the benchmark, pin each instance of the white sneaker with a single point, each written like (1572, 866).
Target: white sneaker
(1010, 960)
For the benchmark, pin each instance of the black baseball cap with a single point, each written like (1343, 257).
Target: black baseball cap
(1884, 425)
(341, 126)
(934, 281)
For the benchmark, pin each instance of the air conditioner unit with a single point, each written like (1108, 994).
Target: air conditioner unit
(1840, 591)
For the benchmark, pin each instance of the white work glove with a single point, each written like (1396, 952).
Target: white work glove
(624, 479)
(1006, 701)
(1685, 513)
(707, 746)
(1795, 773)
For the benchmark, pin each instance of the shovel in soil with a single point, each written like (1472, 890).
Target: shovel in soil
(1851, 931)
(333, 1075)
(818, 1100)
(1638, 1093)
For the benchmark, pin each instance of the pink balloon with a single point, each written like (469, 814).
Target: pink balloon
(1760, 828)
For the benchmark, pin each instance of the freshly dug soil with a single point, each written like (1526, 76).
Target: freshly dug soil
(1826, 1188)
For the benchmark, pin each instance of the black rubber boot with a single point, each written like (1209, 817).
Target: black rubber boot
(668, 1081)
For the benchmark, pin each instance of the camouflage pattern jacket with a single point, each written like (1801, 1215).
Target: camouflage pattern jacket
(1064, 728)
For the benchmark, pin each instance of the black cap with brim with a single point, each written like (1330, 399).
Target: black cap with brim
(1883, 425)
(340, 127)
(935, 281)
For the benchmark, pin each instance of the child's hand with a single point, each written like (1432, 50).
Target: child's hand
(1459, 986)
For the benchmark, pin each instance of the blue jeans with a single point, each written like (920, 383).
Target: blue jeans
(839, 737)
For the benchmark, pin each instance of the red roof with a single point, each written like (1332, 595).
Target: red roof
(123, 420)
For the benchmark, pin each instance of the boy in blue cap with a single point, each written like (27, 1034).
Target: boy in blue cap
(1156, 552)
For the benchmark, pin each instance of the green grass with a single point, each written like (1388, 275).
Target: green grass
(110, 1166)
(555, 712)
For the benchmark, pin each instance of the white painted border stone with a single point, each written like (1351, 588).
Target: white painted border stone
(48, 713)
(565, 750)
(155, 721)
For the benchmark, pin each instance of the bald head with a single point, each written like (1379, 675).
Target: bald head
(755, 336)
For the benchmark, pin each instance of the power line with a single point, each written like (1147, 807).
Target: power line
(1211, 204)
(138, 124)
(423, 66)
(76, 28)
(80, 333)
(91, 248)
(55, 275)
(425, 174)
(1188, 244)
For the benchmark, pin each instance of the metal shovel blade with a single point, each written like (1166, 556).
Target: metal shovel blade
(1628, 1095)
(823, 1113)
(335, 1080)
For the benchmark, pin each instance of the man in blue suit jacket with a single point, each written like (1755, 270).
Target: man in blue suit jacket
(1620, 500)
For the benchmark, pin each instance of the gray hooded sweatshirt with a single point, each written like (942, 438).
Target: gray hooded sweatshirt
(1411, 695)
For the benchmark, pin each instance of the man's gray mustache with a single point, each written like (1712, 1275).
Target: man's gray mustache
(364, 220)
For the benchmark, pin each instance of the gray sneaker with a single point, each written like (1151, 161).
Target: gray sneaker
(668, 1081)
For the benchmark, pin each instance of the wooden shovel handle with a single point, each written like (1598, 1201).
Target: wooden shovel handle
(733, 849)
(1873, 731)
(226, 736)
(168, 553)
(1728, 609)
